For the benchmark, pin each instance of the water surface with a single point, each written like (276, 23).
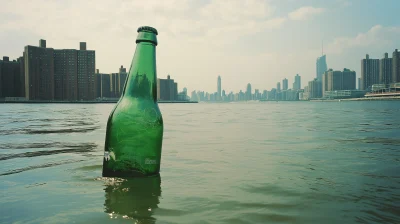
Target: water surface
(266, 162)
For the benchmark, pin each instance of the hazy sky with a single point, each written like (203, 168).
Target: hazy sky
(245, 41)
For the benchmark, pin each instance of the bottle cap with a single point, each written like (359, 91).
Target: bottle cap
(147, 34)
(147, 29)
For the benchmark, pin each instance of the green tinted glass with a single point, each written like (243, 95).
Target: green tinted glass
(135, 126)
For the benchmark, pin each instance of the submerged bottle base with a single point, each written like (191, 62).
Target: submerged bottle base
(130, 173)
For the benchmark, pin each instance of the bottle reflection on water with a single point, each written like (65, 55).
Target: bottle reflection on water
(134, 198)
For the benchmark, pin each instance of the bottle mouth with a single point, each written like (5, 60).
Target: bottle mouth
(147, 34)
(147, 29)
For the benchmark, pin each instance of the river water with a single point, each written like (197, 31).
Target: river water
(266, 162)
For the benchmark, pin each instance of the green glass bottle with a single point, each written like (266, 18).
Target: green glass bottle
(135, 126)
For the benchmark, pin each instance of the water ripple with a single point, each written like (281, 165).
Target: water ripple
(81, 148)
(9, 172)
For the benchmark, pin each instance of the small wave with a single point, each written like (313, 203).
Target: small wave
(38, 167)
(263, 218)
(68, 130)
(71, 149)
(271, 189)
(42, 145)
(377, 140)
(47, 131)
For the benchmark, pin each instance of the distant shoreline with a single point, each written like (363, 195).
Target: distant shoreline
(396, 98)
(79, 102)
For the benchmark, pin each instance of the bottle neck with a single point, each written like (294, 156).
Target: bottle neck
(142, 78)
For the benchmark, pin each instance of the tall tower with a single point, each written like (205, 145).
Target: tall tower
(285, 84)
(297, 82)
(321, 67)
(248, 92)
(396, 66)
(39, 72)
(369, 72)
(385, 69)
(219, 87)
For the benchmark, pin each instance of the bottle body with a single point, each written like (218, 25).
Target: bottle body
(135, 126)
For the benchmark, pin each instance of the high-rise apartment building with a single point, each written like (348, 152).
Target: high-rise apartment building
(39, 72)
(167, 89)
(118, 82)
(338, 80)
(86, 73)
(396, 66)
(103, 85)
(11, 78)
(385, 70)
(122, 79)
(21, 86)
(369, 72)
(314, 88)
(285, 84)
(297, 82)
(98, 84)
(65, 74)
(114, 85)
(321, 67)
(348, 79)
(324, 85)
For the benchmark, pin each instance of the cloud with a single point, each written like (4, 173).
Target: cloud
(305, 12)
(237, 11)
(242, 40)
(344, 3)
(378, 37)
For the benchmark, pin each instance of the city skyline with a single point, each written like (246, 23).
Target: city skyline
(271, 41)
(65, 70)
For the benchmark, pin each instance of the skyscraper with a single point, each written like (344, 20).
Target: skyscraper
(114, 85)
(257, 94)
(278, 87)
(11, 80)
(321, 67)
(248, 92)
(284, 84)
(167, 89)
(348, 80)
(39, 72)
(219, 87)
(396, 66)
(359, 83)
(315, 90)
(339, 80)
(121, 79)
(66, 74)
(385, 70)
(86, 73)
(297, 82)
(369, 72)
(103, 85)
